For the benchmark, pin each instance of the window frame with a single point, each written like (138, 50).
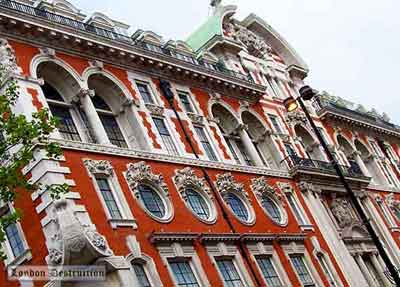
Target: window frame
(314, 282)
(26, 254)
(127, 219)
(154, 100)
(209, 142)
(189, 262)
(193, 109)
(176, 151)
(144, 205)
(277, 127)
(271, 259)
(232, 260)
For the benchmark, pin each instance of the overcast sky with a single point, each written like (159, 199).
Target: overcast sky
(351, 46)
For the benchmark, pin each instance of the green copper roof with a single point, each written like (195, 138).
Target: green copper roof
(211, 28)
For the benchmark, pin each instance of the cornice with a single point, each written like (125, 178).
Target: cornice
(170, 237)
(145, 155)
(122, 52)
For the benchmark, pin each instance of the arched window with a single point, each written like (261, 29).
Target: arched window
(238, 207)
(151, 200)
(141, 275)
(309, 143)
(59, 88)
(228, 125)
(198, 204)
(109, 122)
(262, 142)
(60, 110)
(108, 101)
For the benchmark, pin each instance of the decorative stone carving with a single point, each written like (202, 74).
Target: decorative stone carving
(155, 110)
(100, 167)
(296, 117)
(392, 202)
(8, 61)
(255, 45)
(261, 187)
(139, 173)
(226, 183)
(186, 178)
(83, 93)
(195, 118)
(285, 187)
(341, 209)
(75, 243)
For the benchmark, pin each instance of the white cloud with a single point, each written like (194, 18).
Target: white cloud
(351, 46)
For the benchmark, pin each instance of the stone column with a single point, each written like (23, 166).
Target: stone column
(364, 269)
(92, 116)
(379, 268)
(249, 145)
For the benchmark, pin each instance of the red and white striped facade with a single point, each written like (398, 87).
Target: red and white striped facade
(272, 208)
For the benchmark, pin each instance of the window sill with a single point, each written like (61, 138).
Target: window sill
(25, 256)
(115, 223)
(395, 229)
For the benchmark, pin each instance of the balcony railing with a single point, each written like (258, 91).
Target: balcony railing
(111, 35)
(322, 166)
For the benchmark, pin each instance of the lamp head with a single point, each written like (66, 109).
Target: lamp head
(290, 104)
(307, 93)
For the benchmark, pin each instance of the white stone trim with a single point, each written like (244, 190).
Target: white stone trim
(186, 178)
(147, 261)
(260, 250)
(222, 250)
(288, 190)
(141, 173)
(186, 252)
(296, 248)
(262, 189)
(226, 184)
(104, 169)
(26, 255)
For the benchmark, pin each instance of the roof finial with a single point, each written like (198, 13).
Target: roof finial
(215, 3)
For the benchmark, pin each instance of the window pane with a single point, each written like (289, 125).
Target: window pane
(238, 207)
(113, 131)
(295, 209)
(186, 102)
(327, 272)
(290, 150)
(243, 152)
(141, 275)
(183, 274)
(14, 239)
(235, 156)
(205, 143)
(275, 123)
(229, 273)
(108, 197)
(51, 93)
(268, 271)
(165, 136)
(272, 209)
(301, 270)
(145, 93)
(100, 104)
(152, 201)
(197, 204)
(66, 126)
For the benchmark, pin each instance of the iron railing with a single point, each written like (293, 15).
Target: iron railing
(111, 35)
(353, 170)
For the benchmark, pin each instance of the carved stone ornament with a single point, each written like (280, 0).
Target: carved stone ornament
(256, 46)
(285, 187)
(155, 110)
(392, 202)
(341, 209)
(261, 188)
(8, 61)
(226, 183)
(141, 173)
(195, 118)
(186, 178)
(75, 243)
(296, 117)
(99, 167)
(306, 187)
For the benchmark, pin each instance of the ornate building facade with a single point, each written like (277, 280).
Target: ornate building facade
(222, 187)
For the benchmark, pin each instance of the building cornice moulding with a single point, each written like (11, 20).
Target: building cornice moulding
(145, 155)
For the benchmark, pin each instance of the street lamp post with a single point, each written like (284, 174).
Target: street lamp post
(307, 93)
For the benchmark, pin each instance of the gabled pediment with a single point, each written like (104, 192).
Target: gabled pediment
(63, 8)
